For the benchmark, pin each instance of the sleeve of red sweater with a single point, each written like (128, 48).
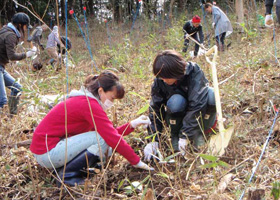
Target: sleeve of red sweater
(125, 129)
(105, 129)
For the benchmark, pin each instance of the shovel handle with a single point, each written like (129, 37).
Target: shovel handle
(214, 50)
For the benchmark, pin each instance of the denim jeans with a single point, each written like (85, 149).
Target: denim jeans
(90, 141)
(176, 110)
(6, 80)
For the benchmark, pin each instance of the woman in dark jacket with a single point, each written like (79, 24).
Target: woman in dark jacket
(182, 98)
(9, 38)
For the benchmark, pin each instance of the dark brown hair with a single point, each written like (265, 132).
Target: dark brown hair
(106, 80)
(169, 64)
(207, 5)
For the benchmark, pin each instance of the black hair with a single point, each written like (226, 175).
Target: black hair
(106, 80)
(169, 64)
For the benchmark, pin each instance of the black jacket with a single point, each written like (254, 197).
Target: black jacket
(8, 43)
(191, 30)
(268, 6)
(194, 87)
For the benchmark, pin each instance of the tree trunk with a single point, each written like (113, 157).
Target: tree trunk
(181, 5)
(90, 5)
(81, 7)
(62, 6)
(239, 10)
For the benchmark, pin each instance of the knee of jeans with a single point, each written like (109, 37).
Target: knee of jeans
(176, 104)
(99, 146)
(211, 97)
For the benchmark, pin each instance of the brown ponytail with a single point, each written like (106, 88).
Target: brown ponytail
(106, 80)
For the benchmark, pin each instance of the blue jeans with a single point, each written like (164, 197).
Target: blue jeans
(91, 141)
(6, 80)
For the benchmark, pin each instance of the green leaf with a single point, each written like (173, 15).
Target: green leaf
(275, 192)
(121, 184)
(209, 165)
(143, 109)
(162, 174)
(145, 191)
(172, 156)
(209, 157)
(222, 163)
(150, 136)
(136, 94)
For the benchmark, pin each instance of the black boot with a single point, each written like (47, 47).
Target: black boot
(175, 124)
(76, 169)
(13, 104)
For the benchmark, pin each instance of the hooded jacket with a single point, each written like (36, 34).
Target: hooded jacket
(194, 87)
(8, 42)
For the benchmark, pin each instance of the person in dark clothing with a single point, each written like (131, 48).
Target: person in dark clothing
(9, 38)
(36, 35)
(193, 29)
(268, 16)
(181, 98)
(69, 45)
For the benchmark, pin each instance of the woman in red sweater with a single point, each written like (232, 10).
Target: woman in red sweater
(90, 134)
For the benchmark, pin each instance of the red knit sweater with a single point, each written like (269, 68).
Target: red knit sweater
(79, 120)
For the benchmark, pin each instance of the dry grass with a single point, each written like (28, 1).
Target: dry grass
(252, 79)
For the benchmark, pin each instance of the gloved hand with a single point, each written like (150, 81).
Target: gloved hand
(142, 120)
(187, 36)
(143, 165)
(213, 25)
(59, 55)
(182, 145)
(150, 149)
(32, 52)
(268, 21)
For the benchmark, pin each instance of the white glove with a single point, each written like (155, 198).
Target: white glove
(142, 120)
(213, 25)
(187, 36)
(32, 52)
(150, 149)
(268, 21)
(143, 165)
(182, 145)
(59, 56)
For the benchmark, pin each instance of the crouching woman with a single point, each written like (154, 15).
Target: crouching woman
(79, 132)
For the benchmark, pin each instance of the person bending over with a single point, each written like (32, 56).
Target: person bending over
(90, 133)
(182, 99)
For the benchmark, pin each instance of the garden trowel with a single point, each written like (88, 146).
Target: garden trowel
(220, 141)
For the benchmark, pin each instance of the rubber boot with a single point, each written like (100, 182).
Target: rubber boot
(222, 47)
(175, 124)
(76, 169)
(13, 104)
(198, 141)
(218, 45)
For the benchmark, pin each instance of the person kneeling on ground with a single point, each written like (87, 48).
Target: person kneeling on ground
(193, 29)
(181, 97)
(90, 133)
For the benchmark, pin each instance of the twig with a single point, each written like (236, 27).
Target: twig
(236, 166)
(32, 179)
